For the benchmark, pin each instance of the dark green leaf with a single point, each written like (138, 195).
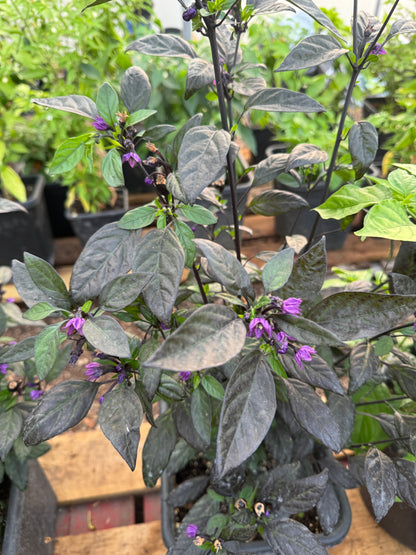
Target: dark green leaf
(269, 168)
(201, 413)
(306, 331)
(202, 159)
(30, 293)
(184, 425)
(312, 51)
(313, 414)
(163, 45)
(226, 269)
(119, 417)
(381, 481)
(112, 168)
(362, 144)
(188, 491)
(277, 270)
(282, 100)
(185, 236)
(200, 73)
(198, 214)
(24, 350)
(122, 291)
(16, 470)
(160, 253)
(61, 362)
(107, 255)
(316, 373)
(247, 412)
(212, 335)
(135, 89)
(213, 387)
(39, 311)
(274, 202)
(59, 409)
(107, 103)
(77, 104)
(105, 334)
(157, 449)
(11, 422)
(68, 154)
(47, 279)
(46, 349)
(356, 315)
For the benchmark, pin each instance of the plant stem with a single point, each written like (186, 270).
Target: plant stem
(200, 284)
(378, 442)
(389, 400)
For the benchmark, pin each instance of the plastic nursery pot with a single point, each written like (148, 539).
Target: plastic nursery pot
(55, 197)
(85, 225)
(27, 231)
(256, 547)
(31, 516)
(399, 522)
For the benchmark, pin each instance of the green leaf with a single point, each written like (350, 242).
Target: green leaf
(198, 214)
(282, 100)
(247, 413)
(158, 447)
(69, 154)
(269, 168)
(185, 236)
(277, 270)
(356, 315)
(135, 91)
(39, 311)
(122, 291)
(389, 220)
(159, 253)
(213, 387)
(107, 255)
(202, 159)
(312, 51)
(201, 414)
(139, 217)
(274, 202)
(47, 279)
(212, 335)
(350, 199)
(16, 470)
(107, 103)
(24, 350)
(362, 144)
(112, 168)
(306, 331)
(11, 423)
(105, 334)
(46, 349)
(59, 409)
(119, 417)
(12, 183)
(139, 116)
(226, 269)
(160, 44)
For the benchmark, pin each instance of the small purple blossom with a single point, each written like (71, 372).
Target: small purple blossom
(3, 368)
(93, 371)
(191, 530)
(100, 124)
(101, 399)
(304, 353)
(74, 325)
(148, 180)
(35, 394)
(10, 300)
(132, 158)
(189, 14)
(292, 306)
(378, 50)
(184, 376)
(259, 325)
(282, 338)
(12, 343)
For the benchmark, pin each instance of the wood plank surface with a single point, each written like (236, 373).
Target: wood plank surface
(139, 539)
(366, 537)
(84, 466)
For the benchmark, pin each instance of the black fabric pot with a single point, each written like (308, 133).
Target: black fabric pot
(31, 516)
(257, 547)
(27, 231)
(85, 225)
(399, 522)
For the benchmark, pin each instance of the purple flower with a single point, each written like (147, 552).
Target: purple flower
(189, 14)
(12, 342)
(282, 339)
(184, 376)
(93, 371)
(378, 50)
(74, 325)
(291, 306)
(191, 530)
(101, 399)
(3, 368)
(10, 300)
(259, 325)
(100, 124)
(132, 158)
(35, 394)
(148, 180)
(304, 353)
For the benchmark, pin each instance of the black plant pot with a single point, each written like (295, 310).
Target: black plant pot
(85, 225)
(134, 180)
(400, 521)
(27, 231)
(31, 516)
(55, 197)
(257, 547)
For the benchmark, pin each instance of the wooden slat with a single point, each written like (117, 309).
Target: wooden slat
(365, 536)
(139, 539)
(84, 466)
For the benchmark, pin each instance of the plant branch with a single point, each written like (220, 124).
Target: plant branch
(200, 284)
(377, 402)
(378, 442)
